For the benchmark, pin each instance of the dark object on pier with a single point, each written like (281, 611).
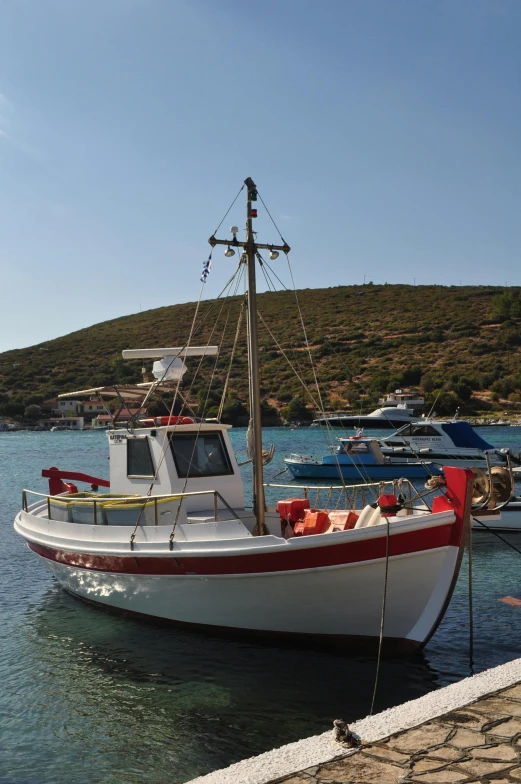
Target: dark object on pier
(344, 735)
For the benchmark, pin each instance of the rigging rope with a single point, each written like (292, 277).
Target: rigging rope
(298, 373)
(345, 365)
(325, 421)
(271, 218)
(193, 330)
(230, 282)
(228, 210)
(288, 360)
(225, 390)
(163, 445)
(238, 272)
(357, 466)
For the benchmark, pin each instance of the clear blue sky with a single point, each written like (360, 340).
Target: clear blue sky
(384, 136)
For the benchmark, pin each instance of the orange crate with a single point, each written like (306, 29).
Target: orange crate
(314, 522)
(292, 509)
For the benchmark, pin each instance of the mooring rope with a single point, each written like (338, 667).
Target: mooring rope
(491, 531)
(382, 619)
(471, 607)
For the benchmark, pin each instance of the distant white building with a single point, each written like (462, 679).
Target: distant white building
(67, 407)
(64, 423)
(91, 408)
(106, 420)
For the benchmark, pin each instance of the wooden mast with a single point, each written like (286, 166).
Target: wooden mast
(259, 505)
(250, 248)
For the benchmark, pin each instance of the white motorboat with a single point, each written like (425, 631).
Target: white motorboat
(444, 443)
(172, 539)
(387, 417)
(496, 507)
(507, 519)
(399, 397)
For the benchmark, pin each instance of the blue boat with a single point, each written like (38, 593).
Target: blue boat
(359, 458)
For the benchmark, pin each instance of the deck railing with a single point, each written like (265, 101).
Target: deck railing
(139, 500)
(356, 496)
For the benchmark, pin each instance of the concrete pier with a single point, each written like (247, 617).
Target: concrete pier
(466, 732)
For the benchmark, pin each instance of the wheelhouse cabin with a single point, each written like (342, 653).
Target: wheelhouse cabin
(185, 458)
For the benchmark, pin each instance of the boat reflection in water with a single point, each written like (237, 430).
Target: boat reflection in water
(194, 701)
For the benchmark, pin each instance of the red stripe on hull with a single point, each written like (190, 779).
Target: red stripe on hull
(286, 561)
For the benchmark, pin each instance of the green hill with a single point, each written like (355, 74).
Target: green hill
(464, 341)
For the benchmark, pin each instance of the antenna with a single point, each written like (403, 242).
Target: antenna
(432, 408)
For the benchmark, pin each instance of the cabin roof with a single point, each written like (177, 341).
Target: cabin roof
(195, 427)
(464, 436)
(127, 391)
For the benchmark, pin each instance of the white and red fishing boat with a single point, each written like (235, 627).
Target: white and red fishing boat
(171, 538)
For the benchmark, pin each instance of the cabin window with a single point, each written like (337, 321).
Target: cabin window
(200, 454)
(424, 430)
(348, 447)
(404, 431)
(139, 459)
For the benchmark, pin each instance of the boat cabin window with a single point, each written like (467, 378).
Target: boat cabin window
(139, 459)
(404, 431)
(200, 454)
(348, 447)
(417, 430)
(424, 430)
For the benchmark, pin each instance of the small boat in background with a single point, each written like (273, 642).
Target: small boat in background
(506, 519)
(359, 458)
(444, 443)
(496, 507)
(388, 417)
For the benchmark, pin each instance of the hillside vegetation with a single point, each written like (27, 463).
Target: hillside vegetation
(459, 344)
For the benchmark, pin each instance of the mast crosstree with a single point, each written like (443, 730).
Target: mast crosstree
(250, 248)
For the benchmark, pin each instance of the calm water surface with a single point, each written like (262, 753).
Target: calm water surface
(87, 696)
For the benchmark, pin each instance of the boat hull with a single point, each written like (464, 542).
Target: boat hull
(309, 470)
(444, 459)
(367, 423)
(507, 519)
(336, 601)
(216, 574)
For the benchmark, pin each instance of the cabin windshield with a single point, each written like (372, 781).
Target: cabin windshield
(353, 446)
(200, 454)
(417, 430)
(404, 431)
(424, 430)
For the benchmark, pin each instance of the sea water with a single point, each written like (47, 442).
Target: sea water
(87, 696)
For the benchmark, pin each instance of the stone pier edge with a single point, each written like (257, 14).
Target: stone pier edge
(319, 749)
